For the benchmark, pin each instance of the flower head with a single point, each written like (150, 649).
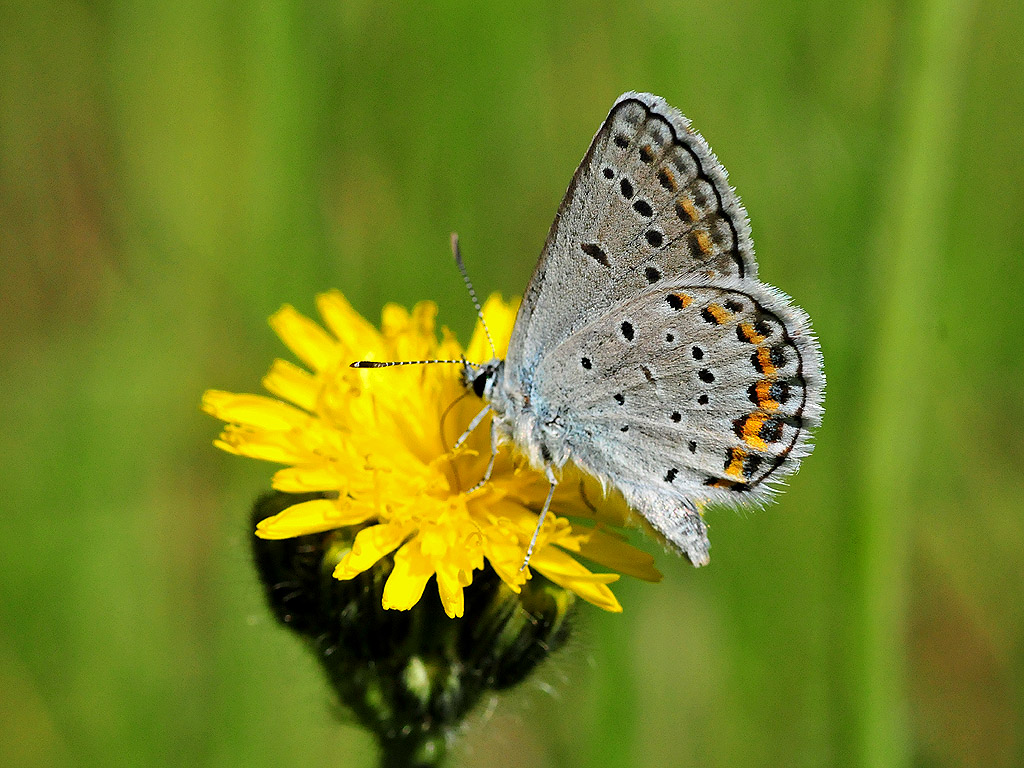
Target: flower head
(378, 443)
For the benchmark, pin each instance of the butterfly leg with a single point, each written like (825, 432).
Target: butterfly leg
(490, 464)
(472, 425)
(540, 518)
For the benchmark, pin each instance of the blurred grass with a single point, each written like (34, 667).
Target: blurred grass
(170, 173)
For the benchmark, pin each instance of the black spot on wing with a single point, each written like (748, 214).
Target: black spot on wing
(594, 251)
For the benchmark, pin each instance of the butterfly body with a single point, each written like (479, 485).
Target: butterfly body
(645, 349)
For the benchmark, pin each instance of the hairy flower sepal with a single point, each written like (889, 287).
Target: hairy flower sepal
(410, 677)
(376, 446)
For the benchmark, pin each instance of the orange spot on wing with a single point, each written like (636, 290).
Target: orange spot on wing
(689, 208)
(720, 314)
(685, 299)
(750, 334)
(764, 361)
(736, 458)
(704, 242)
(749, 430)
(762, 391)
(731, 485)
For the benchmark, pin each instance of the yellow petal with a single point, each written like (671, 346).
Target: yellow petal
(407, 581)
(434, 541)
(307, 517)
(309, 477)
(450, 583)
(350, 328)
(371, 545)
(310, 343)
(260, 444)
(394, 320)
(506, 558)
(613, 552)
(595, 594)
(569, 574)
(289, 382)
(424, 315)
(253, 410)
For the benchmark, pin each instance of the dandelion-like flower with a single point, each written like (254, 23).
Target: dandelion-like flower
(376, 445)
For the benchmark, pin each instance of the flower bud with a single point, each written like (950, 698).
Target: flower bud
(410, 677)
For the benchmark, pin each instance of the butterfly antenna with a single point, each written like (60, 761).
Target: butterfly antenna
(378, 364)
(457, 253)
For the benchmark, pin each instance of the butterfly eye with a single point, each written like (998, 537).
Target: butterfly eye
(480, 382)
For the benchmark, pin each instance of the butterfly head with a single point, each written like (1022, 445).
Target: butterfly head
(481, 377)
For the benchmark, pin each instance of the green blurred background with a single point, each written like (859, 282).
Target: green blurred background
(172, 172)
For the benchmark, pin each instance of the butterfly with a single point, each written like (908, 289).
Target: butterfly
(645, 350)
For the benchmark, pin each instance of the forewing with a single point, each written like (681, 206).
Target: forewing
(649, 204)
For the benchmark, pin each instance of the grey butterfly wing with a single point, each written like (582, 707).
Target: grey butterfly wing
(699, 390)
(649, 203)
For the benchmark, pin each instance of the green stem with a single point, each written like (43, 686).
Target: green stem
(908, 259)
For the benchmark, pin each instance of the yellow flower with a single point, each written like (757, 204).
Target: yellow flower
(378, 443)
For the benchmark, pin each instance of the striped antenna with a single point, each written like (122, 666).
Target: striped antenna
(457, 253)
(376, 364)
